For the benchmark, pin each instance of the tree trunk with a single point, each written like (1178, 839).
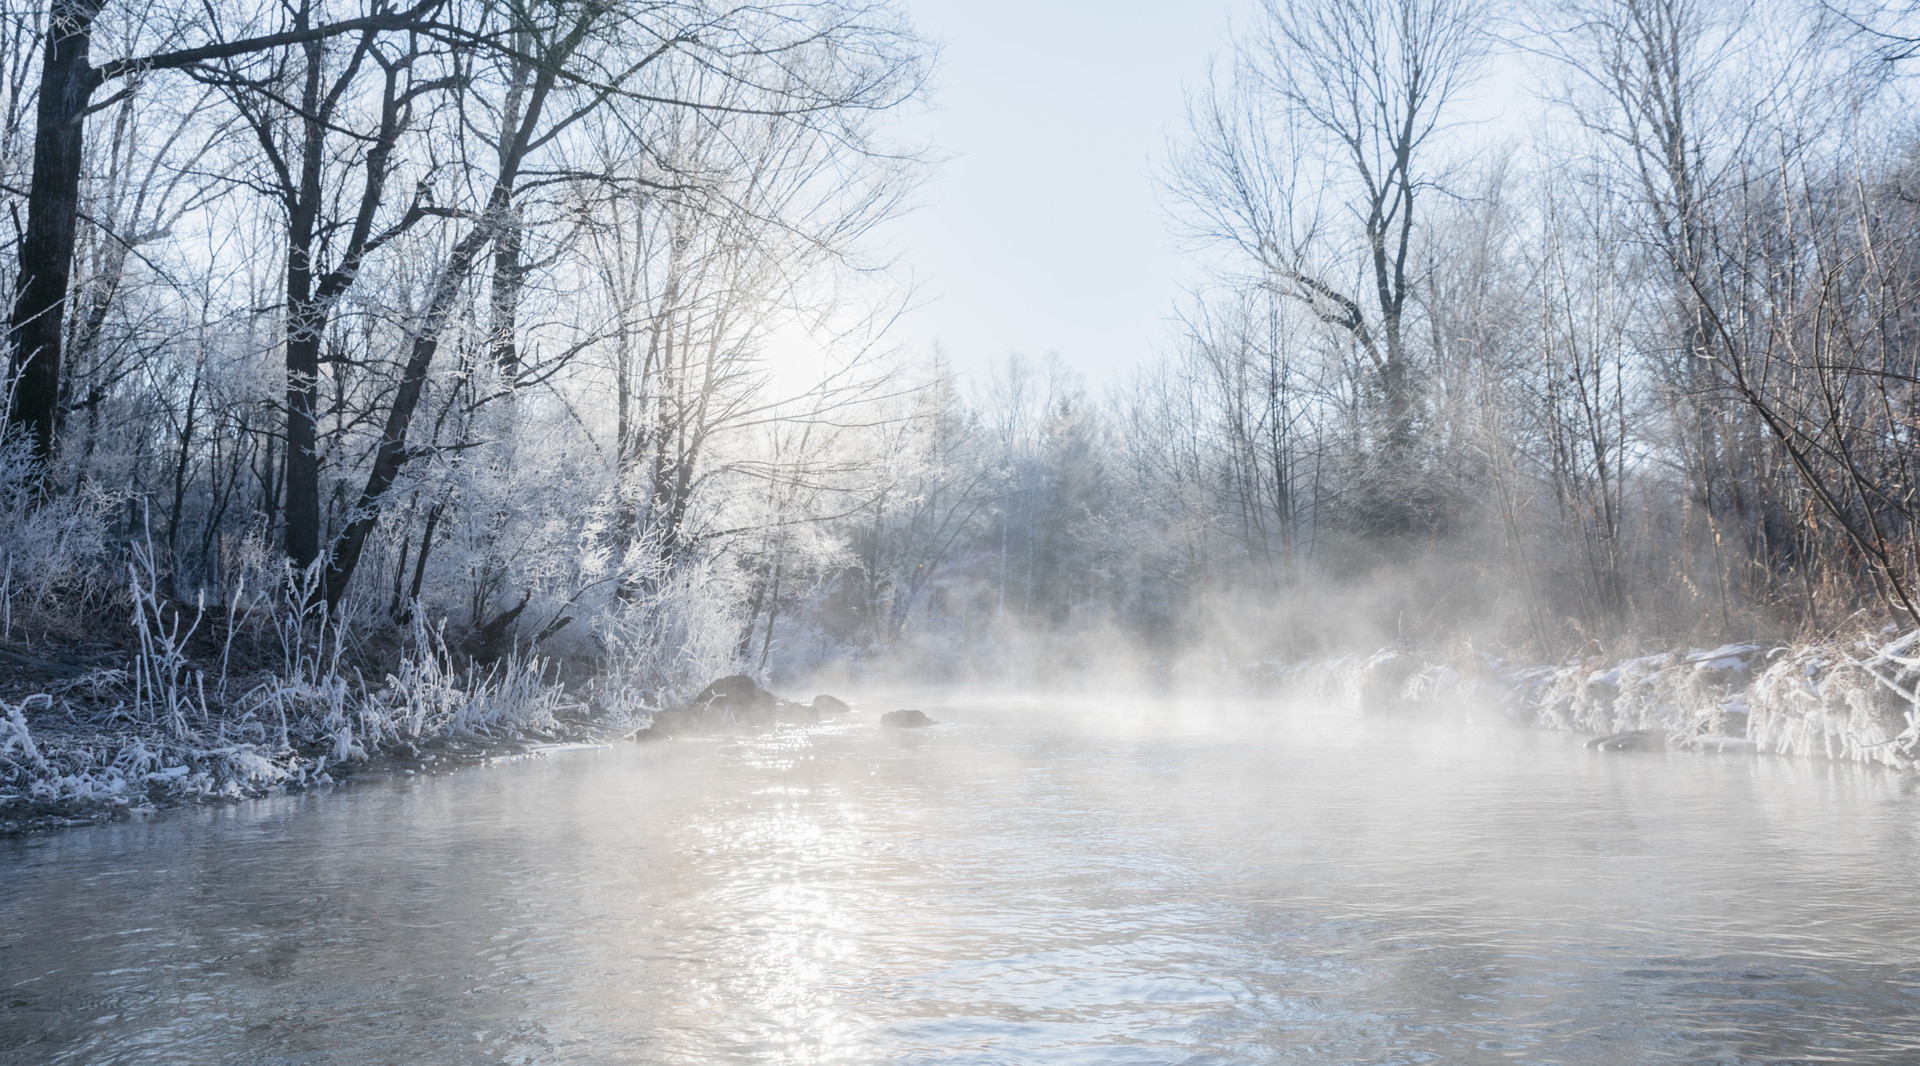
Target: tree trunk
(311, 300)
(305, 321)
(67, 82)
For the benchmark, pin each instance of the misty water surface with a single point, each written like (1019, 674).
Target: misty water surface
(1012, 886)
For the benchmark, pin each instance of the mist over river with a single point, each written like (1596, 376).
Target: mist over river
(1017, 884)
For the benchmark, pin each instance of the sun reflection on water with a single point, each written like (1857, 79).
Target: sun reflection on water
(991, 891)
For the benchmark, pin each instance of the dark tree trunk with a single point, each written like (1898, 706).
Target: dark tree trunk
(306, 319)
(420, 564)
(509, 275)
(311, 300)
(67, 83)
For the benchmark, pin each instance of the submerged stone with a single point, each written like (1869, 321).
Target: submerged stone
(691, 721)
(729, 705)
(1632, 740)
(906, 719)
(737, 701)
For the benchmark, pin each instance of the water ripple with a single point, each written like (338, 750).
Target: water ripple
(1006, 888)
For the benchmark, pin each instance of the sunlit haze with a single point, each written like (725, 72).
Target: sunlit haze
(1042, 232)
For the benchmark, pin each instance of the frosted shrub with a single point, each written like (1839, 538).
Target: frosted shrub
(1853, 703)
(167, 689)
(1386, 678)
(1856, 702)
(670, 643)
(428, 696)
(19, 755)
(423, 696)
(1691, 693)
(1337, 680)
(49, 552)
(274, 701)
(512, 698)
(312, 694)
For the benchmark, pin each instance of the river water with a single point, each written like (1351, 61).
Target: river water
(1018, 884)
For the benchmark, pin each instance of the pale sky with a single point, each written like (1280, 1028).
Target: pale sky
(1042, 232)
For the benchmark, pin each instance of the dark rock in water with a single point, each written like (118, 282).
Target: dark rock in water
(727, 705)
(906, 719)
(755, 718)
(1632, 740)
(736, 693)
(738, 701)
(793, 713)
(826, 704)
(667, 721)
(650, 734)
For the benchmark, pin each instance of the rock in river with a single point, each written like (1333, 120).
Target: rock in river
(826, 704)
(906, 719)
(729, 704)
(1633, 740)
(735, 693)
(740, 701)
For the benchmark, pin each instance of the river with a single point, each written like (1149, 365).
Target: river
(1018, 884)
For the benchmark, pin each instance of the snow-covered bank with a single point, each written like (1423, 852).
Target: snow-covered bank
(266, 694)
(1852, 701)
(151, 724)
(101, 746)
(155, 724)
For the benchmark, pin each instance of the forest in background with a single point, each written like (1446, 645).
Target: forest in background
(378, 371)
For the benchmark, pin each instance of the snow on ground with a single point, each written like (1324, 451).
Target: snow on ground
(1852, 701)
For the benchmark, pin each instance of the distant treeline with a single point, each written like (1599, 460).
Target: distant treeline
(1643, 370)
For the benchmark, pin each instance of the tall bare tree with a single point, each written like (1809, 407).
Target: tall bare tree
(1314, 162)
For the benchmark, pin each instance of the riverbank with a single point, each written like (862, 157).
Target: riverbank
(58, 772)
(1850, 701)
(190, 707)
(95, 780)
(92, 734)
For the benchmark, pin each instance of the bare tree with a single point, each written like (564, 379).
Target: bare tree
(1314, 162)
(68, 82)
